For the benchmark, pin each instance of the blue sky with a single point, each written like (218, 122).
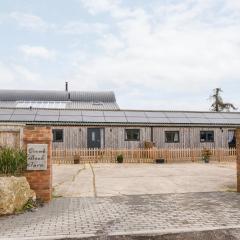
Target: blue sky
(155, 54)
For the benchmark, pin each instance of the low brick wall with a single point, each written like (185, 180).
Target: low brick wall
(40, 181)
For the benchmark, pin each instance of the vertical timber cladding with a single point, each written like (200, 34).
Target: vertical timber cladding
(11, 136)
(190, 137)
(111, 137)
(40, 180)
(114, 137)
(238, 159)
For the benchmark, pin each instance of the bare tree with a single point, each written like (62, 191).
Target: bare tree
(218, 105)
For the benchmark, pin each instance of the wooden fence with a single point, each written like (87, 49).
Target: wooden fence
(69, 156)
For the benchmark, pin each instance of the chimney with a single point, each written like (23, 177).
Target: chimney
(66, 86)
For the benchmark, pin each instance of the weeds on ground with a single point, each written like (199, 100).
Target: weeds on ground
(31, 206)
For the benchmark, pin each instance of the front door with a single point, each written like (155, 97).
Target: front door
(94, 137)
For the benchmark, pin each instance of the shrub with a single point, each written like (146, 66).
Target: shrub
(120, 158)
(206, 154)
(12, 161)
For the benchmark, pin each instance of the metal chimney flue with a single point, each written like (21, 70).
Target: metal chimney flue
(66, 86)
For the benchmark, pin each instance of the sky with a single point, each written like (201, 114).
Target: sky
(154, 54)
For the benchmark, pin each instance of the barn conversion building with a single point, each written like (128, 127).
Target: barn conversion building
(94, 120)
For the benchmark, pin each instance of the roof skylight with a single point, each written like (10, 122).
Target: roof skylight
(41, 104)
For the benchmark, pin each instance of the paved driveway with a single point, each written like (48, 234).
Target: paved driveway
(136, 179)
(110, 217)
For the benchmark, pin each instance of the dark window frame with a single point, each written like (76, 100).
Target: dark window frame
(54, 135)
(132, 139)
(232, 144)
(171, 132)
(207, 140)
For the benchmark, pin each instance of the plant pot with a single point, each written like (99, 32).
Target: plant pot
(76, 160)
(160, 161)
(120, 159)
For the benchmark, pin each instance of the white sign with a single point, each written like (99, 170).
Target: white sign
(37, 156)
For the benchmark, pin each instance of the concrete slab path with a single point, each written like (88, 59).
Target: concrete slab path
(133, 179)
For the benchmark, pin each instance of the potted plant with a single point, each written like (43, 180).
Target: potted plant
(76, 159)
(206, 154)
(120, 158)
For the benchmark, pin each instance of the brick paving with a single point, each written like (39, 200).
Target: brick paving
(140, 214)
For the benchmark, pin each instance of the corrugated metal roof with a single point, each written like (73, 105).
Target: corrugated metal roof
(47, 95)
(58, 99)
(126, 117)
(92, 96)
(32, 95)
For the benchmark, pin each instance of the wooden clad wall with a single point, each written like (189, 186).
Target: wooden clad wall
(190, 137)
(114, 137)
(11, 136)
(73, 137)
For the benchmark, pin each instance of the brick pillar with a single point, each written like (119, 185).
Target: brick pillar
(40, 181)
(238, 158)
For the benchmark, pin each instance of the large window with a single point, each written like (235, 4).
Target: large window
(207, 136)
(57, 135)
(132, 134)
(172, 136)
(231, 138)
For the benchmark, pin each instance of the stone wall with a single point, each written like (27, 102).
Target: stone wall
(40, 181)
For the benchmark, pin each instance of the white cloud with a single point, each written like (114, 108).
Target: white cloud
(30, 21)
(234, 4)
(38, 52)
(25, 74)
(6, 74)
(79, 28)
(111, 43)
(194, 44)
(113, 7)
(17, 76)
(169, 51)
(96, 6)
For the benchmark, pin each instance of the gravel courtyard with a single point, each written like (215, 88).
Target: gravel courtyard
(136, 179)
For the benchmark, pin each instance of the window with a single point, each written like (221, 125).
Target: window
(231, 138)
(132, 134)
(172, 137)
(207, 136)
(57, 135)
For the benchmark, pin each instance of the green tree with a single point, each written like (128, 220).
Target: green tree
(218, 104)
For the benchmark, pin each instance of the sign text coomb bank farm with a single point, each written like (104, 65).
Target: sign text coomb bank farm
(37, 157)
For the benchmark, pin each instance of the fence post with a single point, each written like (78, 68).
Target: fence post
(238, 158)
